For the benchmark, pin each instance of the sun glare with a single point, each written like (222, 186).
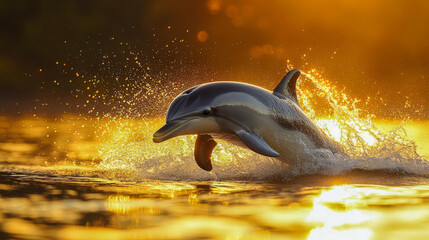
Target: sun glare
(337, 131)
(339, 224)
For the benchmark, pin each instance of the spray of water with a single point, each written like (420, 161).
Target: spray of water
(129, 109)
(367, 146)
(128, 145)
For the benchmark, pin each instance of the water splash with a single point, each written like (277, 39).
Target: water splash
(368, 146)
(127, 144)
(124, 98)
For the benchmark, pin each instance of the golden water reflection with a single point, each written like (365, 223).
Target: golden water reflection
(337, 212)
(67, 182)
(359, 212)
(40, 206)
(349, 199)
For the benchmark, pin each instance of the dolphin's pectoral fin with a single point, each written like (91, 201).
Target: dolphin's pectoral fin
(256, 143)
(203, 151)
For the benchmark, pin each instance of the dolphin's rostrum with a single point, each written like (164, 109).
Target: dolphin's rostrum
(269, 123)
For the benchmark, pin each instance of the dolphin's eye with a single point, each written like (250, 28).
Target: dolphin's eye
(206, 112)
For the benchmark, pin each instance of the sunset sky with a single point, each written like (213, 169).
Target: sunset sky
(377, 49)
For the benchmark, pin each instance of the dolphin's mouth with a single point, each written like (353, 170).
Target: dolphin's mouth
(167, 131)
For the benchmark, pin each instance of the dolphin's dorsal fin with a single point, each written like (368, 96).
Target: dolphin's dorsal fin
(203, 151)
(287, 86)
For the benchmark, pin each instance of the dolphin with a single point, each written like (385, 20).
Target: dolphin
(272, 124)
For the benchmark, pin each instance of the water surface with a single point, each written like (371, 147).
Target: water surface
(57, 182)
